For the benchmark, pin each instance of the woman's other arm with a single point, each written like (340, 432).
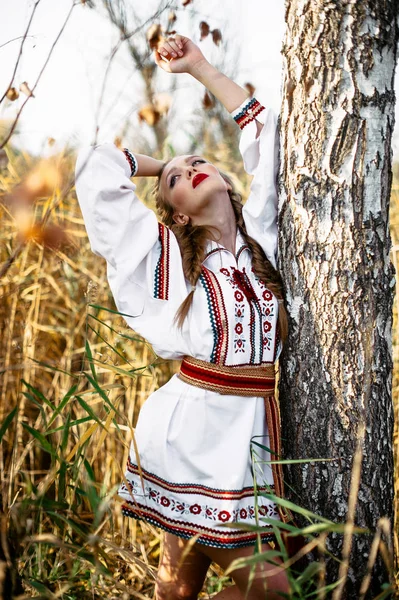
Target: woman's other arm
(147, 166)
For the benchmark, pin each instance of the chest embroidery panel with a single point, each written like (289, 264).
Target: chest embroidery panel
(255, 328)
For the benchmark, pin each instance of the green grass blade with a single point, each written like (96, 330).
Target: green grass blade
(310, 571)
(38, 394)
(90, 359)
(89, 470)
(89, 410)
(131, 338)
(98, 334)
(53, 368)
(280, 524)
(70, 393)
(44, 443)
(101, 392)
(254, 559)
(65, 433)
(71, 424)
(295, 508)
(115, 312)
(7, 421)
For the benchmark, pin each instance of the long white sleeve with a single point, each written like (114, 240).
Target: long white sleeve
(260, 156)
(143, 258)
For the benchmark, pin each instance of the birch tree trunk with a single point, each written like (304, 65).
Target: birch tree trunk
(336, 127)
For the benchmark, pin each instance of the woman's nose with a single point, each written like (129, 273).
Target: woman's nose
(190, 171)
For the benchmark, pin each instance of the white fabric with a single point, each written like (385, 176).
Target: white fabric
(188, 435)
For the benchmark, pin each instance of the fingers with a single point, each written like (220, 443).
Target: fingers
(161, 62)
(171, 48)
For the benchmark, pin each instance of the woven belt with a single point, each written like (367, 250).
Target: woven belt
(244, 381)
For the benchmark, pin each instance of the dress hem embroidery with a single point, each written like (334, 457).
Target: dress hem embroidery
(183, 529)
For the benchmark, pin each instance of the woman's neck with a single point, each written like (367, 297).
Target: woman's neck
(221, 218)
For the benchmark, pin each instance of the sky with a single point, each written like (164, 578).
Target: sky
(66, 100)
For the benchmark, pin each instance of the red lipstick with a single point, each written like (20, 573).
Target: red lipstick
(198, 178)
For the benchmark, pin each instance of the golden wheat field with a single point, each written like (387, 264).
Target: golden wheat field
(73, 379)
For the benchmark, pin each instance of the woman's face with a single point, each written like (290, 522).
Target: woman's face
(188, 184)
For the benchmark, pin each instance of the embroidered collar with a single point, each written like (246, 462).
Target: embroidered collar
(213, 248)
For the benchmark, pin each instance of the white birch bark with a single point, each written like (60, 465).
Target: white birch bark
(337, 121)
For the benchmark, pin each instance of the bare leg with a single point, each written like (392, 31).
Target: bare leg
(264, 587)
(179, 579)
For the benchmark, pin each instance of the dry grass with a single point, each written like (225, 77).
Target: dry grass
(47, 315)
(68, 535)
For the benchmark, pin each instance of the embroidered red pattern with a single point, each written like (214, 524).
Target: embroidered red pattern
(208, 536)
(217, 315)
(192, 488)
(161, 277)
(248, 113)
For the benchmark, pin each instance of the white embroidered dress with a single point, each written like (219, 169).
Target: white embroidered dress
(194, 444)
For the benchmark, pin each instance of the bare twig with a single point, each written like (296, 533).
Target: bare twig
(20, 49)
(13, 126)
(124, 37)
(23, 37)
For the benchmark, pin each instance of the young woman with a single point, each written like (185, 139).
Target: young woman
(200, 286)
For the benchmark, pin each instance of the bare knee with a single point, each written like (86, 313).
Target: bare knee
(274, 587)
(176, 590)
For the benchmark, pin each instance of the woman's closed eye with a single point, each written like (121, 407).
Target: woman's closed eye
(172, 180)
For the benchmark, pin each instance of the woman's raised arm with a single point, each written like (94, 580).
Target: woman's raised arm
(181, 55)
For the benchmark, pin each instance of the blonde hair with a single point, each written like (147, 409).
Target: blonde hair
(192, 241)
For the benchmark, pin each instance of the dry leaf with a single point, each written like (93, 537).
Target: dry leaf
(149, 115)
(204, 29)
(25, 89)
(217, 36)
(172, 17)
(162, 103)
(185, 2)
(23, 215)
(42, 181)
(51, 141)
(154, 35)
(208, 101)
(251, 88)
(49, 236)
(12, 94)
(118, 141)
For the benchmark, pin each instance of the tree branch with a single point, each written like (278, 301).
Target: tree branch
(13, 126)
(20, 49)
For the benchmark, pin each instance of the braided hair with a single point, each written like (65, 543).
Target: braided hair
(192, 240)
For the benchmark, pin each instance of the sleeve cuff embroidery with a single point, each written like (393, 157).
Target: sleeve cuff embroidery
(132, 162)
(247, 112)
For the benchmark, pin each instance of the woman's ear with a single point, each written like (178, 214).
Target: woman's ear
(181, 219)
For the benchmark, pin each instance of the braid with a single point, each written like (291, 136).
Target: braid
(262, 266)
(192, 242)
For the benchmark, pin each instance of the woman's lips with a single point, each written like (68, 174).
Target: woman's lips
(198, 178)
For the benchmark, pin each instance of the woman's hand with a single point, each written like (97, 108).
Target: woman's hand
(178, 54)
